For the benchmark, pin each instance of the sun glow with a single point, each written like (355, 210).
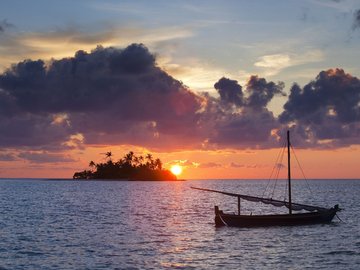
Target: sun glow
(176, 169)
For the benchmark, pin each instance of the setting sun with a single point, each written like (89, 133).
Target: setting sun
(176, 169)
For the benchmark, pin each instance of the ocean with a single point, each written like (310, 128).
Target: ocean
(54, 224)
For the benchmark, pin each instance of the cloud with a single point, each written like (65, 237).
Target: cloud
(325, 112)
(258, 93)
(250, 129)
(210, 165)
(242, 119)
(261, 92)
(58, 43)
(340, 5)
(121, 96)
(236, 165)
(108, 96)
(8, 157)
(356, 23)
(65, 41)
(34, 130)
(252, 166)
(113, 96)
(185, 163)
(4, 24)
(230, 91)
(201, 76)
(41, 157)
(274, 63)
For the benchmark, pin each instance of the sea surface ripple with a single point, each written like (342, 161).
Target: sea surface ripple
(167, 225)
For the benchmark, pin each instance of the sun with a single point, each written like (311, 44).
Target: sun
(176, 169)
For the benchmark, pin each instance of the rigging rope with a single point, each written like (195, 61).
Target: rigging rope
(278, 165)
(280, 154)
(286, 190)
(275, 172)
(301, 169)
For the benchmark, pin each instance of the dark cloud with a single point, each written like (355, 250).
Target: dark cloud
(242, 119)
(8, 157)
(258, 92)
(37, 157)
(114, 95)
(356, 23)
(4, 24)
(261, 92)
(45, 158)
(325, 112)
(120, 96)
(133, 59)
(32, 130)
(248, 129)
(230, 91)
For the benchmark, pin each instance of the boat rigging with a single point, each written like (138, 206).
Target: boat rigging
(314, 214)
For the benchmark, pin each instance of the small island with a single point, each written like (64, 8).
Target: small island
(130, 167)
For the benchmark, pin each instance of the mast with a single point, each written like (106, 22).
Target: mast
(289, 172)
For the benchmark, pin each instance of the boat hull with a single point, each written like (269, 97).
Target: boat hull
(222, 219)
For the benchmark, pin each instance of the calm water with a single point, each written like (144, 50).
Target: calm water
(160, 225)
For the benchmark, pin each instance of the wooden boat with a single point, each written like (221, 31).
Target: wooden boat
(314, 214)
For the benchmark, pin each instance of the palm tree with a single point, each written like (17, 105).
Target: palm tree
(158, 164)
(141, 159)
(129, 158)
(108, 155)
(136, 161)
(149, 157)
(92, 164)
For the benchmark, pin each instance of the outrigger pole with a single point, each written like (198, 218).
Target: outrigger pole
(278, 203)
(225, 193)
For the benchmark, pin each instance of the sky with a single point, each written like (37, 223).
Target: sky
(209, 85)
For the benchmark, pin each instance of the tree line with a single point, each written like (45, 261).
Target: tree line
(130, 167)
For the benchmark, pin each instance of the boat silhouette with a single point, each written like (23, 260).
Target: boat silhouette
(313, 214)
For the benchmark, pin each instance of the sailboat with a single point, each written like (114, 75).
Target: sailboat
(314, 214)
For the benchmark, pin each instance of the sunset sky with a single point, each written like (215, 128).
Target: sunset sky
(209, 85)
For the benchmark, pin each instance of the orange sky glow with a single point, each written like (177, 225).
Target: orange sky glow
(250, 164)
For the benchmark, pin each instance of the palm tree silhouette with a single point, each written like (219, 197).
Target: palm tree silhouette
(92, 164)
(158, 164)
(109, 155)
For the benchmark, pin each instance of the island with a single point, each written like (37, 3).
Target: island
(130, 167)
